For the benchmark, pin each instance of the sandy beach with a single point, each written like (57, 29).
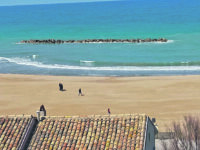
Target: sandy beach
(166, 98)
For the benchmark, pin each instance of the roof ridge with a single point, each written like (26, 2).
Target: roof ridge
(16, 116)
(97, 116)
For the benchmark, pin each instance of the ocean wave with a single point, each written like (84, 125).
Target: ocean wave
(169, 41)
(18, 43)
(28, 62)
(87, 61)
(34, 56)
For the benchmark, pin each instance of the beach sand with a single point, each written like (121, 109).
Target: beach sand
(167, 98)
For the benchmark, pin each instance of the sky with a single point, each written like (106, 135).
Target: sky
(33, 2)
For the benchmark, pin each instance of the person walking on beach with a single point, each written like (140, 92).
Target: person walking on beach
(61, 87)
(80, 92)
(109, 111)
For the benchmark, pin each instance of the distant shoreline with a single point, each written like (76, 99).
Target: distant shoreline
(54, 41)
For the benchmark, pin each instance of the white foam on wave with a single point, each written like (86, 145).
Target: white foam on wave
(34, 56)
(19, 43)
(87, 61)
(168, 41)
(28, 62)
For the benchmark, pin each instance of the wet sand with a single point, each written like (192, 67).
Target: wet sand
(166, 98)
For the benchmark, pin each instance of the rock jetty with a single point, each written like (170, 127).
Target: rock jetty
(53, 41)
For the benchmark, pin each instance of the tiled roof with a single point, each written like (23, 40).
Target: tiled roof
(11, 131)
(91, 133)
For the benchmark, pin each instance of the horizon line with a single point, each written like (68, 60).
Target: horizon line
(45, 2)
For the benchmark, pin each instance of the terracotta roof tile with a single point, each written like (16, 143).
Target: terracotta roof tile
(94, 132)
(11, 131)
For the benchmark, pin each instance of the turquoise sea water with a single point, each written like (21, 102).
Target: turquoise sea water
(37, 2)
(178, 21)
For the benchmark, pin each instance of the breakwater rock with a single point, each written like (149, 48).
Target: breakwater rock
(53, 41)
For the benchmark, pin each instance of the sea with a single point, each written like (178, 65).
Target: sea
(176, 20)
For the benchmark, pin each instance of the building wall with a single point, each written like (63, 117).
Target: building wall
(150, 136)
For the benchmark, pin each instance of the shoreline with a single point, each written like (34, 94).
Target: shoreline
(103, 76)
(167, 98)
